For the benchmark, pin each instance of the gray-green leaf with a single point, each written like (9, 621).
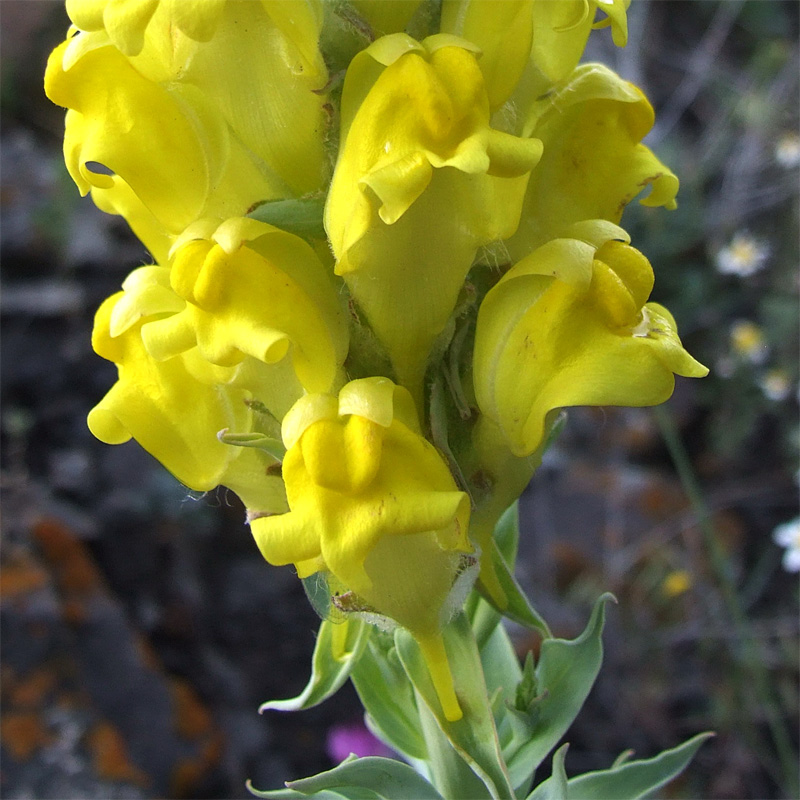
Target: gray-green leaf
(565, 674)
(388, 697)
(635, 779)
(330, 665)
(474, 736)
(387, 778)
(556, 787)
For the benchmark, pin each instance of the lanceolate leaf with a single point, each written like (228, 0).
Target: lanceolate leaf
(388, 697)
(636, 779)
(387, 778)
(564, 675)
(291, 794)
(339, 646)
(556, 787)
(519, 608)
(474, 736)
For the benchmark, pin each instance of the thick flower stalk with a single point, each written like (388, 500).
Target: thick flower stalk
(386, 253)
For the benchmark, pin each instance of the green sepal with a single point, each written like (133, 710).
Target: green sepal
(302, 217)
(381, 778)
(556, 787)
(474, 736)
(630, 780)
(388, 697)
(254, 439)
(565, 673)
(330, 665)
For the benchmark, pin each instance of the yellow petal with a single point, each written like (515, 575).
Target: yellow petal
(150, 400)
(593, 163)
(502, 31)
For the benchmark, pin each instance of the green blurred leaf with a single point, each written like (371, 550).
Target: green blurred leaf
(556, 787)
(388, 697)
(386, 778)
(474, 736)
(335, 653)
(565, 674)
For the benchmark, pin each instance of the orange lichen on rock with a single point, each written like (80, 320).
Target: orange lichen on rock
(74, 568)
(189, 772)
(192, 720)
(20, 579)
(110, 756)
(23, 732)
(31, 690)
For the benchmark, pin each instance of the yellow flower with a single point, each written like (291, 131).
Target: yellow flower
(676, 583)
(373, 503)
(252, 290)
(748, 341)
(593, 162)
(568, 325)
(421, 182)
(193, 127)
(175, 408)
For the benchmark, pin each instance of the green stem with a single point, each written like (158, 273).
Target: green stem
(450, 774)
(750, 655)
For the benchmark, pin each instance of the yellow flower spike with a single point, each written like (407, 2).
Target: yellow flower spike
(593, 163)
(419, 163)
(373, 503)
(258, 294)
(502, 31)
(543, 343)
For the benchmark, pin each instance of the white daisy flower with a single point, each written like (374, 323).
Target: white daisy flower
(744, 256)
(788, 536)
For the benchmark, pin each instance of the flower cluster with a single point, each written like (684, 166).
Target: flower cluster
(386, 251)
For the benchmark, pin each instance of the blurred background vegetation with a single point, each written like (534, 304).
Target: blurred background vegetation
(141, 628)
